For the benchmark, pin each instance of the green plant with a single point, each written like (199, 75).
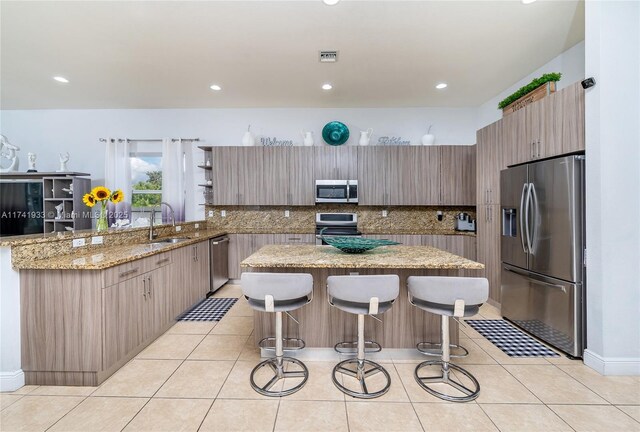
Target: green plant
(554, 76)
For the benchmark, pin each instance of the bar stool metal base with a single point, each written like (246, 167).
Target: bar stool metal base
(351, 347)
(435, 349)
(288, 344)
(360, 373)
(446, 378)
(279, 373)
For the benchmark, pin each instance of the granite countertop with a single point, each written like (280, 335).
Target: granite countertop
(307, 256)
(102, 258)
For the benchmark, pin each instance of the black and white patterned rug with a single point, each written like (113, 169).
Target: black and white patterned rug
(210, 309)
(510, 340)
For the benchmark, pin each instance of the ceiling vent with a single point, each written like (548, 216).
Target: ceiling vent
(328, 56)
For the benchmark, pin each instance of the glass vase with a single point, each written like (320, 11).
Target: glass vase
(102, 224)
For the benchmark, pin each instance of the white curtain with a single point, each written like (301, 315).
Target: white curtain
(176, 157)
(117, 175)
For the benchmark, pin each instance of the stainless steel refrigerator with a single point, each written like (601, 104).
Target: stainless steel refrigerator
(543, 249)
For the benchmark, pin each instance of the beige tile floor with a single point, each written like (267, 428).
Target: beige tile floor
(196, 377)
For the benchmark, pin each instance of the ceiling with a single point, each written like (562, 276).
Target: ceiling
(265, 53)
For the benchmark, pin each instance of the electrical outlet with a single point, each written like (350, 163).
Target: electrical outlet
(286, 213)
(78, 242)
(385, 213)
(210, 213)
(223, 213)
(196, 226)
(178, 228)
(97, 240)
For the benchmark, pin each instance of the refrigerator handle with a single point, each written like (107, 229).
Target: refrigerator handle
(534, 212)
(526, 216)
(522, 207)
(536, 281)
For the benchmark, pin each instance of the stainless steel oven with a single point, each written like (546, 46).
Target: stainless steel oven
(336, 224)
(337, 191)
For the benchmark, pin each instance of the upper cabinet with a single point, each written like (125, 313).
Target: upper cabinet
(416, 175)
(458, 175)
(552, 126)
(335, 162)
(262, 176)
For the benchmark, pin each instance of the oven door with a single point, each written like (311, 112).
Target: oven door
(332, 191)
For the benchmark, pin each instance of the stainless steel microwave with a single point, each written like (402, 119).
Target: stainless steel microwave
(337, 191)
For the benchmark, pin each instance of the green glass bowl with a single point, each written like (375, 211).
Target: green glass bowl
(335, 133)
(355, 245)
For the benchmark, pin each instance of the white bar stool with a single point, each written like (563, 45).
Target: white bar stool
(362, 295)
(278, 293)
(447, 297)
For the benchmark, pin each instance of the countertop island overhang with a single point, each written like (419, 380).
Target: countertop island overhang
(323, 326)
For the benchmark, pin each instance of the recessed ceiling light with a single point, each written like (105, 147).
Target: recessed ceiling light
(441, 86)
(61, 79)
(327, 86)
(215, 87)
(330, 2)
(527, 1)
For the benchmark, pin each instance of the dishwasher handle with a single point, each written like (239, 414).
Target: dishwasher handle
(217, 242)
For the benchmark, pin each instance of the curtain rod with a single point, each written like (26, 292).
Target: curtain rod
(146, 140)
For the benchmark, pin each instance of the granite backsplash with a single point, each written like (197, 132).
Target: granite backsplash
(399, 220)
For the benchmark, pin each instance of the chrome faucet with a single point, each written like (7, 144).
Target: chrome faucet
(173, 215)
(152, 235)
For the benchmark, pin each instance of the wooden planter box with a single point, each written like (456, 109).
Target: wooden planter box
(537, 94)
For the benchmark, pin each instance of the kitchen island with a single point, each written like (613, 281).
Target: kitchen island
(322, 326)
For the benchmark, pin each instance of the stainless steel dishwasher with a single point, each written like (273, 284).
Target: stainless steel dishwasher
(219, 256)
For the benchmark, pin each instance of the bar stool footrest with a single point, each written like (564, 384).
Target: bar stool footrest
(288, 344)
(360, 373)
(446, 378)
(351, 347)
(435, 349)
(279, 373)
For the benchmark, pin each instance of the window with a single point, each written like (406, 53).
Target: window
(146, 184)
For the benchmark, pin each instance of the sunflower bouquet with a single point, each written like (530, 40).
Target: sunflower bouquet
(102, 195)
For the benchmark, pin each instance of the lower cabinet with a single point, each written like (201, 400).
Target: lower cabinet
(489, 247)
(80, 326)
(243, 245)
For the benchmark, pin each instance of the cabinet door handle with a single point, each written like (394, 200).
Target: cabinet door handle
(533, 150)
(128, 272)
(538, 149)
(294, 238)
(162, 261)
(149, 285)
(144, 288)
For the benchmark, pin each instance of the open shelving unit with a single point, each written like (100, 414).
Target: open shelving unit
(65, 193)
(207, 166)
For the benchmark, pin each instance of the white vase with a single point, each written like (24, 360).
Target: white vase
(428, 139)
(248, 140)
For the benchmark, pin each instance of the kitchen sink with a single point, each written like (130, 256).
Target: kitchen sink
(171, 240)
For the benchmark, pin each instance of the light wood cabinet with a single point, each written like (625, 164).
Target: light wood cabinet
(399, 175)
(489, 161)
(488, 241)
(414, 176)
(80, 326)
(335, 162)
(250, 175)
(275, 183)
(300, 177)
(572, 118)
(458, 175)
(224, 175)
(373, 173)
(243, 245)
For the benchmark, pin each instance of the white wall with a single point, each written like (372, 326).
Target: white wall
(613, 187)
(48, 132)
(570, 63)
